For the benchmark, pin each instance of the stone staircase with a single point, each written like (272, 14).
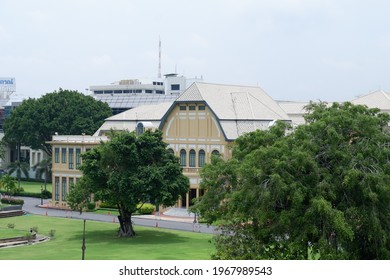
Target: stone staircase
(11, 213)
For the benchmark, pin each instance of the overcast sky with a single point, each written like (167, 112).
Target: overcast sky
(332, 50)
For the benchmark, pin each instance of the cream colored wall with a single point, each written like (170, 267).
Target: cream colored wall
(194, 130)
(61, 171)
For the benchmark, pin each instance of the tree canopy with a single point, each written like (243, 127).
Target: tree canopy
(66, 112)
(321, 190)
(129, 170)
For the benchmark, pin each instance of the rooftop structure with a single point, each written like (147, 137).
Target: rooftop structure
(126, 94)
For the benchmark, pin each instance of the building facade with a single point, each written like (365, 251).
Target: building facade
(66, 160)
(203, 121)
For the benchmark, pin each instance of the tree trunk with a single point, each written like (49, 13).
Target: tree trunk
(126, 225)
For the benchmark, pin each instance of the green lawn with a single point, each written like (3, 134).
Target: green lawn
(102, 242)
(34, 187)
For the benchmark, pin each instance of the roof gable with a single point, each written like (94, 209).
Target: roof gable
(235, 102)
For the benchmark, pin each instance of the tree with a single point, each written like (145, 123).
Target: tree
(19, 168)
(7, 182)
(66, 112)
(78, 197)
(43, 168)
(323, 189)
(129, 170)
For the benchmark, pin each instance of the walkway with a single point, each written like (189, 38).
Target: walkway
(175, 218)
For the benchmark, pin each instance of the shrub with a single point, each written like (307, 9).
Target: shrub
(91, 205)
(11, 225)
(12, 201)
(52, 232)
(104, 204)
(146, 209)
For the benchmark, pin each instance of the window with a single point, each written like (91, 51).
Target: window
(117, 91)
(108, 91)
(215, 153)
(192, 108)
(202, 107)
(98, 92)
(63, 155)
(78, 157)
(56, 155)
(71, 184)
(71, 158)
(183, 108)
(201, 158)
(159, 91)
(175, 87)
(192, 158)
(148, 91)
(63, 185)
(57, 188)
(140, 128)
(171, 151)
(183, 157)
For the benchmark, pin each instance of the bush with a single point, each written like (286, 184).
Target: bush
(146, 209)
(11, 225)
(104, 204)
(91, 206)
(45, 194)
(12, 201)
(52, 232)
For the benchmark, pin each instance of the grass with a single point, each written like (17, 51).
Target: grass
(34, 187)
(9, 232)
(102, 242)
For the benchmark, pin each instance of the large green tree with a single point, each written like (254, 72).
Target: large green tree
(65, 112)
(129, 170)
(322, 190)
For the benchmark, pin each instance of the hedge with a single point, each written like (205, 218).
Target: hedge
(45, 194)
(12, 201)
(146, 209)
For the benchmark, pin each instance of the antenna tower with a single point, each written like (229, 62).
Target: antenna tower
(159, 58)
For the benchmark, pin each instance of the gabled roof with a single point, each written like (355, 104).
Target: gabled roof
(230, 102)
(128, 120)
(377, 99)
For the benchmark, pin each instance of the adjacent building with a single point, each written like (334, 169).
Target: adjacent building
(127, 94)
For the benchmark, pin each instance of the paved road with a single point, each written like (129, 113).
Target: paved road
(169, 222)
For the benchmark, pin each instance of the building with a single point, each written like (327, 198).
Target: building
(65, 162)
(127, 94)
(204, 120)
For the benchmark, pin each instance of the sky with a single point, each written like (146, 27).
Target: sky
(298, 50)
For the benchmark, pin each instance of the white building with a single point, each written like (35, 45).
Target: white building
(127, 94)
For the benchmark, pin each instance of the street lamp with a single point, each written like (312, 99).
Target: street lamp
(41, 195)
(83, 246)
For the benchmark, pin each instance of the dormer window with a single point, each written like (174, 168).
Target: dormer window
(140, 128)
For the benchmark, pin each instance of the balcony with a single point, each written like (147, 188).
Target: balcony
(191, 170)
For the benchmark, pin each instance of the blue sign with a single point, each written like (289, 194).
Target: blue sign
(7, 81)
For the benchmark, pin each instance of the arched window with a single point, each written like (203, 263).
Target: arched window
(192, 158)
(183, 157)
(201, 158)
(140, 128)
(171, 151)
(216, 153)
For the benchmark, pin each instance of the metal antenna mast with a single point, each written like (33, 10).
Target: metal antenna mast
(159, 58)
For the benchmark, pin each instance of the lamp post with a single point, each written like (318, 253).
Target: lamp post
(83, 246)
(41, 195)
